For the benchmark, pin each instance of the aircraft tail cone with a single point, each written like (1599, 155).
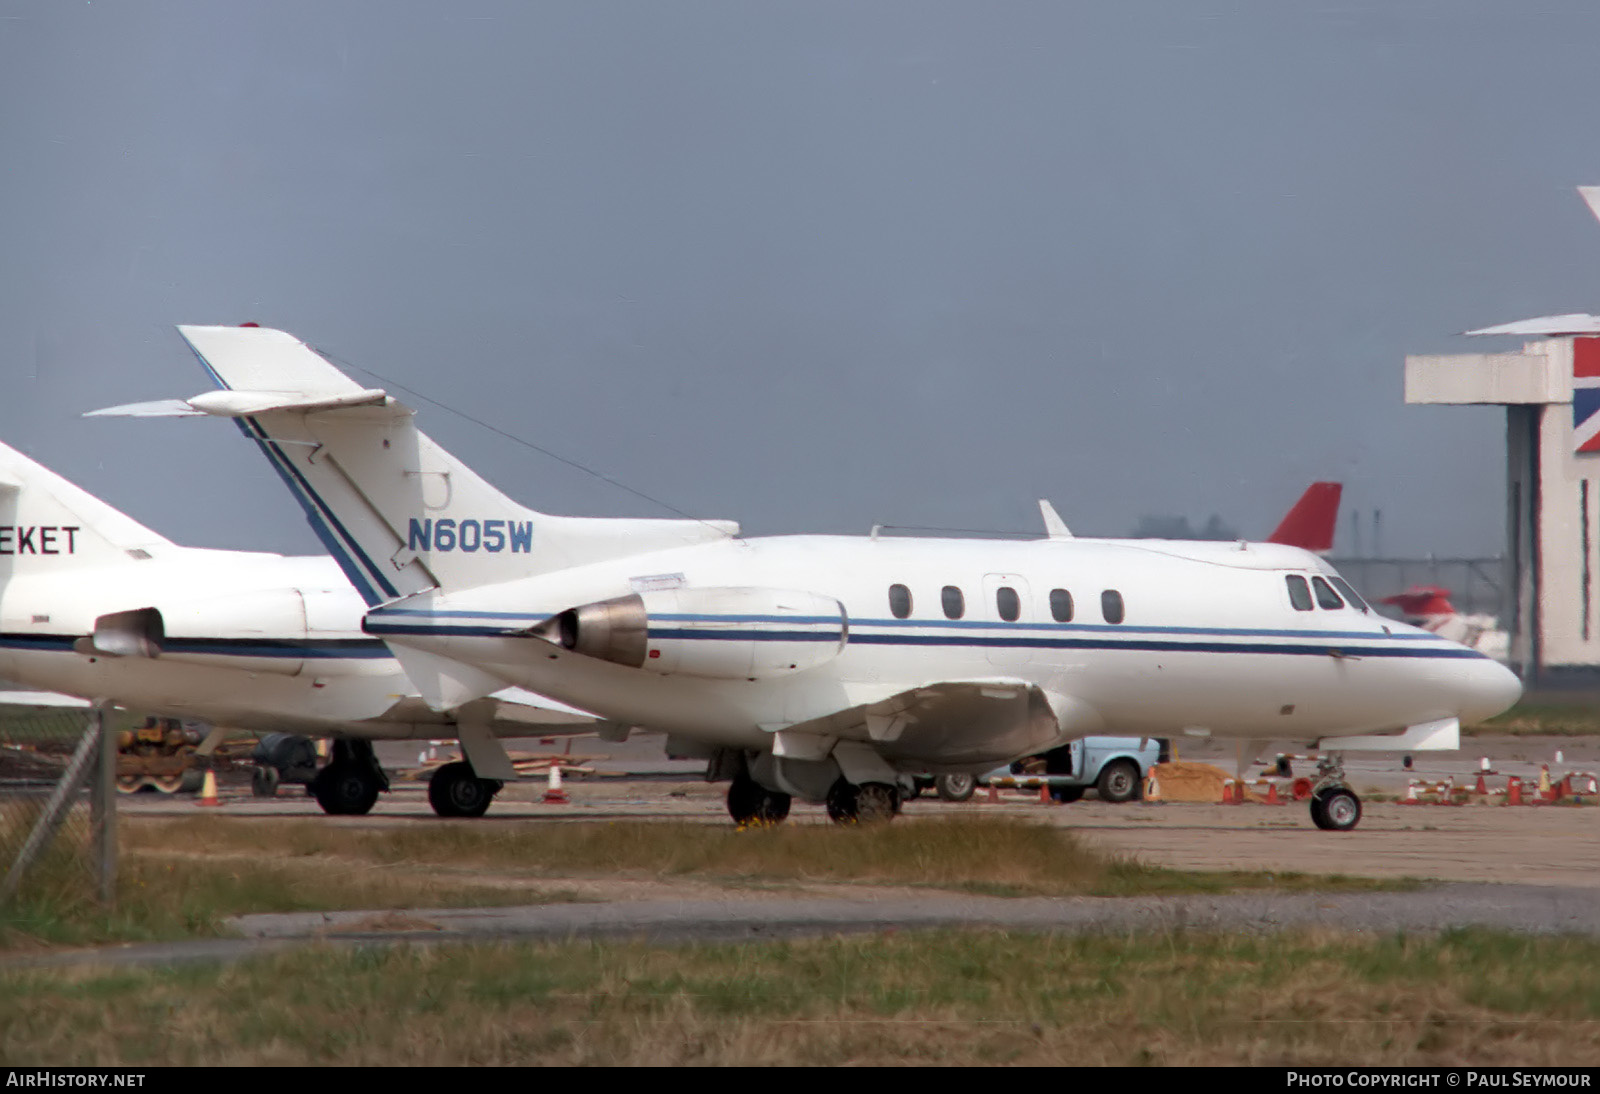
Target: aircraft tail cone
(553, 794)
(208, 790)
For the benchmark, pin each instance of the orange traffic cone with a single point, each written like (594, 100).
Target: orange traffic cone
(1411, 795)
(553, 794)
(1044, 794)
(1513, 791)
(1152, 790)
(1272, 794)
(208, 789)
(1482, 787)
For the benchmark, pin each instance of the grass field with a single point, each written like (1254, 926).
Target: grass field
(948, 998)
(1538, 716)
(184, 877)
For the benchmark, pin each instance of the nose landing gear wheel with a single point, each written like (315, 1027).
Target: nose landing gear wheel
(1336, 810)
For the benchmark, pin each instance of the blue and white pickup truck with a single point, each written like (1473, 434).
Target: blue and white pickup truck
(1114, 767)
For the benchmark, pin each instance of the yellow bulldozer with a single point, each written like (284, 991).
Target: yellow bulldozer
(162, 753)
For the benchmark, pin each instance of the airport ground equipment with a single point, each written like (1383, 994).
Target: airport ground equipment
(163, 753)
(1114, 767)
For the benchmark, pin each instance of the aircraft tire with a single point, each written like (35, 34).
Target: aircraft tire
(1336, 810)
(345, 790)
(264, 781)
(751, 803)
(869, 803)
(455, 791)
(1119, 781)
(956, 788)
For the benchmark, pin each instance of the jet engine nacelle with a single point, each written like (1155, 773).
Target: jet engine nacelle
(215, 630)
(729, 633)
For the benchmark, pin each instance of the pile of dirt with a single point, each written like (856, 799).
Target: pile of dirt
(1186, 781)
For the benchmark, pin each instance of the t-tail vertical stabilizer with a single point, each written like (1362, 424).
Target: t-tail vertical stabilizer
(47, 523)
(399, 513)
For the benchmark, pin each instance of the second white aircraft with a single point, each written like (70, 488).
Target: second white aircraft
(831, 667)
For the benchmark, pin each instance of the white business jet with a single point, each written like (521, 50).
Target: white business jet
(94, 604)
(832, 667)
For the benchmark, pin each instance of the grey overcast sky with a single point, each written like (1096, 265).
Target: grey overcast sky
(812, 266)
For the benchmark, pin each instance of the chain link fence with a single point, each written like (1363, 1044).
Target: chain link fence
(57, 802)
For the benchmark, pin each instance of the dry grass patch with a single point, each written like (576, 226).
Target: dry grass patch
(955, 998)
(183, 877)
(1002, 856)
(163, 895)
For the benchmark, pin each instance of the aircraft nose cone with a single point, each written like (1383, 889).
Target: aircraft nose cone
(1491, 689)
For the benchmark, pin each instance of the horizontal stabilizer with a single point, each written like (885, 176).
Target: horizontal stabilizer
(242, 404)
(1577, 323)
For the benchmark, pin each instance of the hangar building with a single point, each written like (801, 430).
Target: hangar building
(1551, 393)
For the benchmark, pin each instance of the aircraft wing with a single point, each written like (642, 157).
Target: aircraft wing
(510, 712)
(950, 723)
(51, 699)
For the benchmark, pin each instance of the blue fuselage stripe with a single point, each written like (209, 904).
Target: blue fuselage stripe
(1322, 648)
(292, 649)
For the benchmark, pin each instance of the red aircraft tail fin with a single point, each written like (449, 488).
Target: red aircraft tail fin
(1311, 522)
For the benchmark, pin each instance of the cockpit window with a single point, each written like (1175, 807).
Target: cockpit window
(1299, 593)
(1350, 594)
(955, 605)
(900, 601)
(1326, 597)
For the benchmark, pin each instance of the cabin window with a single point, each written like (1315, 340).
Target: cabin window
(1299, 593)
(1111, 606)
(1061, 605)
(1326, 597)
(1009, 603)
(900, 601)
(1350, 594)
(955, 605)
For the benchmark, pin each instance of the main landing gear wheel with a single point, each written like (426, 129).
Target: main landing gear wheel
(455, 791)
(751, 803)
(1119, 782)
(955, 788)
(1335, 810)
(869, 803)
(349, 786)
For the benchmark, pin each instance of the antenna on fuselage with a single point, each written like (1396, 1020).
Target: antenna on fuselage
(1054, 526)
